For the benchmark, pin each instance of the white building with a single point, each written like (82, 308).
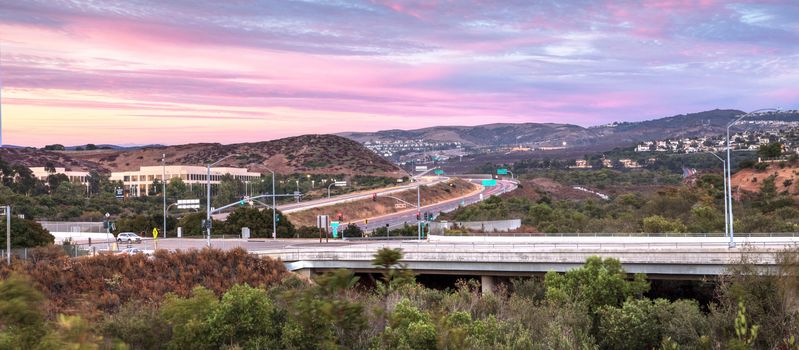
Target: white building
(81, 177)
(138, 183)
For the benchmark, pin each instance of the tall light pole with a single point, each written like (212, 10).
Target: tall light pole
(7, 210)
(274, 222)
(163, 188)
(724, 181)
(298, 190)
(208, 197)
(729, 171)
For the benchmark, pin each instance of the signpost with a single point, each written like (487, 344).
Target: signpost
(489, 183)
(334, 227)
(322, 222)
(439, 172)
(421, 168)
(400, 205)
(504, 171)
(119, 192)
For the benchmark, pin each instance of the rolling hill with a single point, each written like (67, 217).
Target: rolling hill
(550, 134)
(313, 154)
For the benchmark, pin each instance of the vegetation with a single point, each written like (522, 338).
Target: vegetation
(695, 208)
(594, 307)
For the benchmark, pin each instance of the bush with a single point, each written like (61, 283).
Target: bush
(25, 234)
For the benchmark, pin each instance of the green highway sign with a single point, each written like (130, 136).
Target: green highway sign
(439, 172)
(489, 183)
(502, 171)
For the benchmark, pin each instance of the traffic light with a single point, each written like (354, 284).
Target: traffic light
(340, 217)
(418, 216)
(374, 196)
(277, 217)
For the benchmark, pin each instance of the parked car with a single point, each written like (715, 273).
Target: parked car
(130, 251)
(129, 237)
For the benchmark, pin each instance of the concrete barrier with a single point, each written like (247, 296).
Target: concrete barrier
(482, 226)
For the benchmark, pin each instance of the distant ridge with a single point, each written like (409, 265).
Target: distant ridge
(310, 154)
(553, 135)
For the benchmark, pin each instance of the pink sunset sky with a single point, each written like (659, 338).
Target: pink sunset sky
(170, 72)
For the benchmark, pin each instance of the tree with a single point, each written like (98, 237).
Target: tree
(228, 191)
(22, 314)
(770, 150)
(176, 189)
(55, 180)
(246, 317)
(26, 234)
(659, 224)
(598, 283)
(139, 325)
(188, 318)
(352, 230)
(259, 221)
(54, 147)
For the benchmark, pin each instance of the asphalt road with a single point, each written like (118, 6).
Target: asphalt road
(399, 219)
(348, 197)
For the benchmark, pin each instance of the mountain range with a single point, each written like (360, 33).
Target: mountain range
(311, 154)
(705, 123)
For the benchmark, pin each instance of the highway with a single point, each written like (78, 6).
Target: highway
(348, 197)
(399, 219)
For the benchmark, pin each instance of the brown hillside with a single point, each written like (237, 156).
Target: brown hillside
(314, 154)
(750, 180)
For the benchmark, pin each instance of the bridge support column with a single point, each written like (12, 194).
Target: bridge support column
(305, 273)
(487, 284)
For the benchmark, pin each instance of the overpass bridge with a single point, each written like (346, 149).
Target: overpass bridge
(490, 257)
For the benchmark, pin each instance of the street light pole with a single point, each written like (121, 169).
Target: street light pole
(7, 210)
(274, 222)
(729, 171)
(724, 181)
(163, 188)
(208, 197)
(298, 190)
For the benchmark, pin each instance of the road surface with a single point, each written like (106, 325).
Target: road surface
(348, 197)
(399, 219)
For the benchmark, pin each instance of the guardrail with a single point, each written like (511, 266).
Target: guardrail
(667, 257)
(618, 234)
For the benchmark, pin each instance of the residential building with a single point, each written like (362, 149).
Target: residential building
(138, 183)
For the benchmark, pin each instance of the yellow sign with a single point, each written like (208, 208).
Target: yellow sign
(155, 233)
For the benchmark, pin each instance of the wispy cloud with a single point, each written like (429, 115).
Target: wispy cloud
(276, 68)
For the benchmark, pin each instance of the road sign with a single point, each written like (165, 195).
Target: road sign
(322, 221)
(340, 183)
(119, 192)
(439, 172)
(188, 204)
(400, 205)
(489, 183)
(502, 171)
(155, 233)
(421, 168)
(334, 227)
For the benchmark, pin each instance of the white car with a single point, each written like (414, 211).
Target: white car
(130, 251)
(128, 237)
